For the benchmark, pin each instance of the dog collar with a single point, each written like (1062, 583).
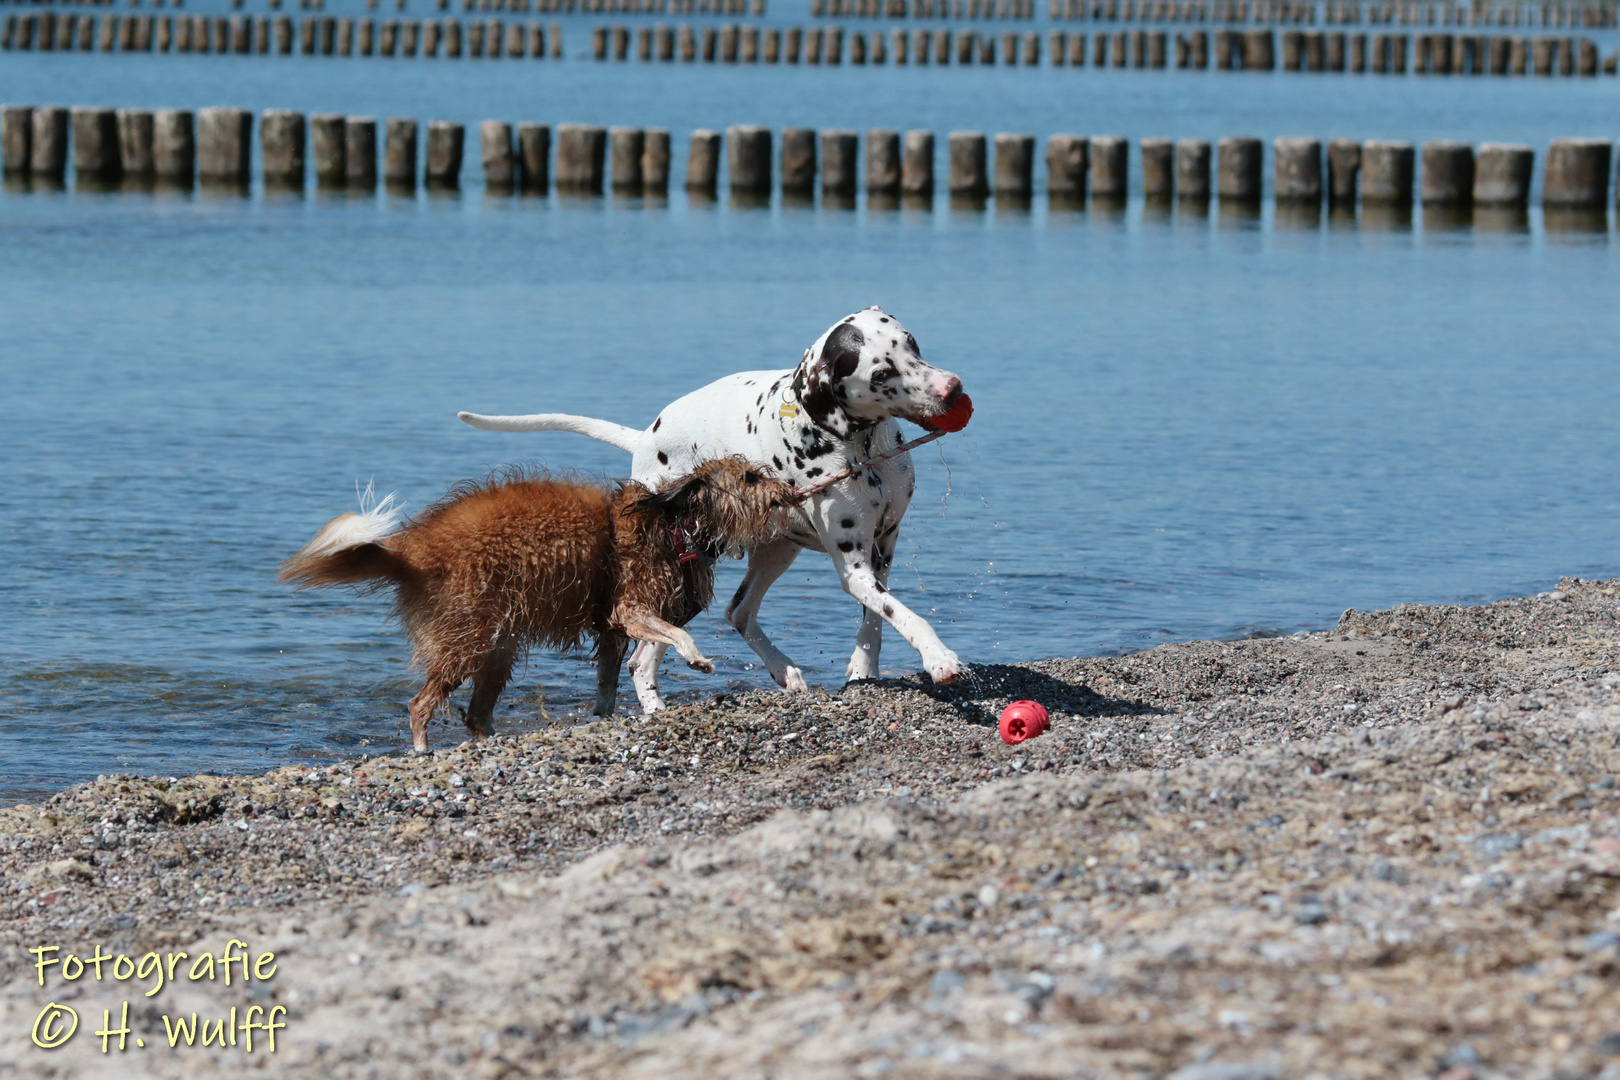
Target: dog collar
(687, 555)
(681, 541)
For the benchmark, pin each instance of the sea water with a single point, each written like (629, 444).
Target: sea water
(1189, 424)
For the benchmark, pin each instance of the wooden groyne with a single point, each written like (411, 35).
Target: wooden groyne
(1225, 48)
(215, 147)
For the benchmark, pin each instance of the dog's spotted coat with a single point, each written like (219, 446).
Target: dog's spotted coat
(835, 410)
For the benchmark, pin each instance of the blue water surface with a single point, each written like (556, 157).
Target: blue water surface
(1188, 425)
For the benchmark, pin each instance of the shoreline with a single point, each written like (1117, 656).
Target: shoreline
(1224, 850)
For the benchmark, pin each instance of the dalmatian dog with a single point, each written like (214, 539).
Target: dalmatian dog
(834, 411)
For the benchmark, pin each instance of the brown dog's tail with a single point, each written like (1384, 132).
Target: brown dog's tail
(349, 550)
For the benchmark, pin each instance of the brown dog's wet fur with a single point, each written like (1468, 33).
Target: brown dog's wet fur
(502, 565)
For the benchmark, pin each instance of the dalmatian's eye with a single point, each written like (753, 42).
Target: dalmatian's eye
(911, 342)
(883, 375)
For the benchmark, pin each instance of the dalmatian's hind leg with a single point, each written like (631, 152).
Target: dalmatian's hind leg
(765, 565)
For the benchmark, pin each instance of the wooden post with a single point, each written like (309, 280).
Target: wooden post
(655, 162)
(330, 148)
(174, 147)
(882, 162)
(281, 146)
(399, 153)
(500, 164)
(1297, 170)
(444, 151)
(1015, 166)
(1068, 159)
(534, 150)
(1237, 169)
(1158, 169)
(17, 137)
(703, 163)
(48, 148)
(917, 165)
(1448, 173)
(224, 146)
(581, 153)
(1192, 170)
(626, 148)
(360, 150)
(1344, 169)
(967, 176)
(748, 156)
(95, 145)
(1386, 172)
(798, 161)
(838, 162)
(1502, 175)
(1110, 168)
(1258, 54)
(1577, 174)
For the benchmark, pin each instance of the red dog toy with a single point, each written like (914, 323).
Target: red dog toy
(1023, 720)
(953, 419)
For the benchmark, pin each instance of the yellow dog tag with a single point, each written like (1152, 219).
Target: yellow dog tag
(788, 409)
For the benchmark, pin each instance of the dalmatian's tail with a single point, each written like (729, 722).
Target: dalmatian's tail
(624, 438)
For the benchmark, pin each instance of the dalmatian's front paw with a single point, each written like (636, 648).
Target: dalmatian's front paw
(703, 664)
(947, 669)
(792, 680)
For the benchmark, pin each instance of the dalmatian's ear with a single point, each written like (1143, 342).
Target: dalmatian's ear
(841, 353)
(840, 358)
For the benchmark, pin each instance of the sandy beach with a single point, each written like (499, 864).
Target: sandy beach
(1387, 849)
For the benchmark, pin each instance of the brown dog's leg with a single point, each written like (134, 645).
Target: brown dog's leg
(610, 647)
(488, 682)
(439, 686)
(643, 625)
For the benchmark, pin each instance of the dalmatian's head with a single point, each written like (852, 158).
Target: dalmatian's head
(867, 368)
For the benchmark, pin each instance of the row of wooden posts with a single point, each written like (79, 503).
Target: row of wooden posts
(1589, 16)
(1331, 12)
(1234, 50)
(313, 35)
(1251, 50)
(215, 145)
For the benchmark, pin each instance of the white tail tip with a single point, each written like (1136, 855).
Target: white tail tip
(377, 520)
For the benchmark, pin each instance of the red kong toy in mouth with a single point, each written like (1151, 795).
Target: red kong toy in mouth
(953, 419)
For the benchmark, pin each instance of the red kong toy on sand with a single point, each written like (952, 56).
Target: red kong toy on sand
(953, 419)
(1023, 720)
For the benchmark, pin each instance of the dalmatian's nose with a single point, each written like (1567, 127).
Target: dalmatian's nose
(950, 391)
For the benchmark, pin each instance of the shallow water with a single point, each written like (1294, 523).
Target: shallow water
(1187, 426)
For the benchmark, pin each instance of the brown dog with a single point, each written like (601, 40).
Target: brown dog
(516, 561)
